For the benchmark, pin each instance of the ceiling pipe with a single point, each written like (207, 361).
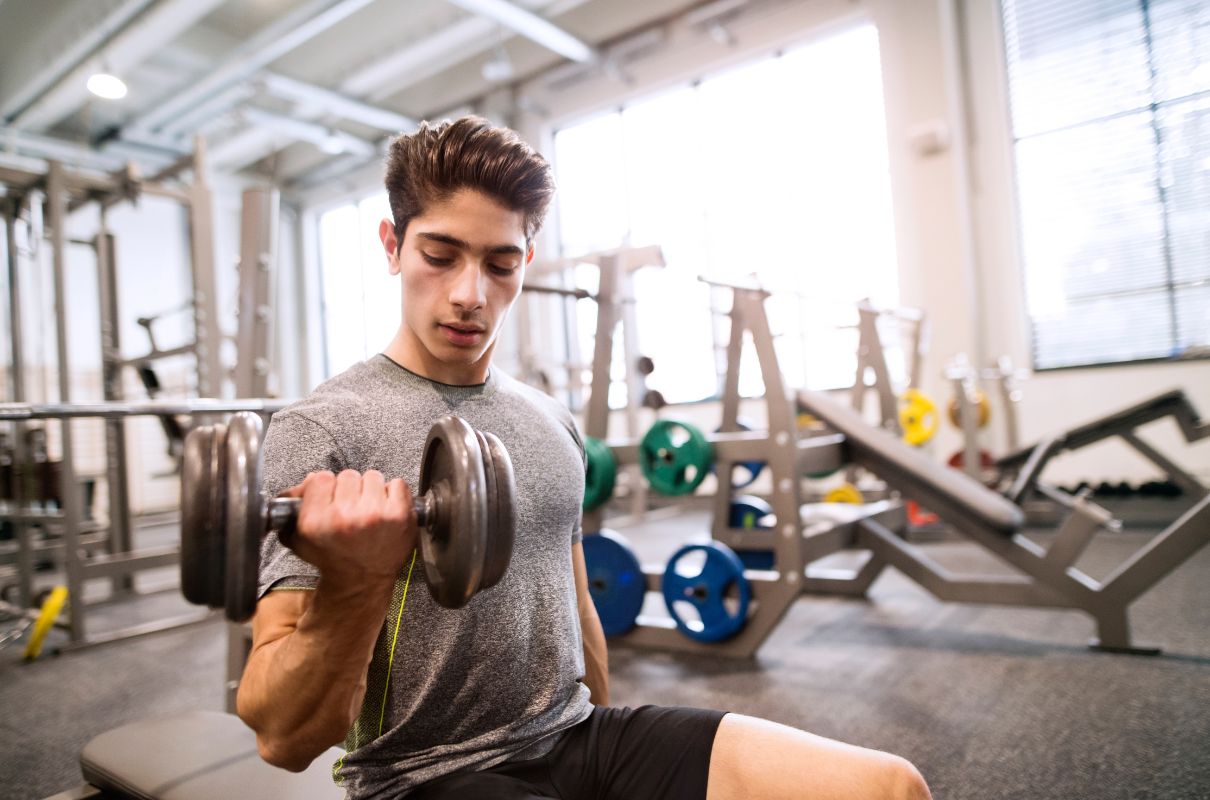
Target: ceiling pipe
(329, 140)
(274, 41)
(134, 44)
(409, 65)
(533, 27)
(340, 105)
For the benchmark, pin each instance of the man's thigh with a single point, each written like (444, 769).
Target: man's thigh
(754, 758)
(478, 786)
(652, 752)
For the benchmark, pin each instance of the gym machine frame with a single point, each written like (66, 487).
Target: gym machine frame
(615, 306)
(64, 191)
(120, 565)
(1049, 578)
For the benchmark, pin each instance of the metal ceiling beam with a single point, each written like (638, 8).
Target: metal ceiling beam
(435, 53)
(38, 146)
(244, 148)
(70, 56)
(533, 27)
(327, 139)
(134, 44)
(268, 45)
(330, 102)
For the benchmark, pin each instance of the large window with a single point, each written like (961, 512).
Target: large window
(1111, 121)
(774, 171)
(361, 301)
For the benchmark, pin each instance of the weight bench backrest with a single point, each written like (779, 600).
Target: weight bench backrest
(197, 755)
(952, 495)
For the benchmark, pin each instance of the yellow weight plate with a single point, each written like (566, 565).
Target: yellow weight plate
(918, 417)
(46, 619)
(983, 410)
(844, 493)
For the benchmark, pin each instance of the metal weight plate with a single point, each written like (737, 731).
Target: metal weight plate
(203, 524)
(615, 581)
(675, 457)
(749, 512)
(245, 513)
(501, 508)
(718, 592)
(601, 474)
(454, 543)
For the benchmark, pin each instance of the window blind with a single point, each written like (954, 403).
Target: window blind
(1110, 104)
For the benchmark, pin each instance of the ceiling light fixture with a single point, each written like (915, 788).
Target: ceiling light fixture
(107, 86)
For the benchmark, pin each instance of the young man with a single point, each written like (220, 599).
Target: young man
(508, 696)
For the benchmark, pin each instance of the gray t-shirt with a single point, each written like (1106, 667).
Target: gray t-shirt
(449, 690)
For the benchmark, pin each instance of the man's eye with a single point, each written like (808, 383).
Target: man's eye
(502, 269)
(436, 261)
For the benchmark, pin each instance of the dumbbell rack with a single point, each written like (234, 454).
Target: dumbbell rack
(787, 456)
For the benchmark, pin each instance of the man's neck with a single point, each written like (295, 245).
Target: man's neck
(408, 353)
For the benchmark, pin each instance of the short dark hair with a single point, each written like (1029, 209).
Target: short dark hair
(436, 161)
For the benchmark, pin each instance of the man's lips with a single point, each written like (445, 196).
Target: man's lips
(464, 335)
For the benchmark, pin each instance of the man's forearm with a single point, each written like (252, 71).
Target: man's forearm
(596, 658)
(301, 692)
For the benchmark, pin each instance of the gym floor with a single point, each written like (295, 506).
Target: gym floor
(989, 702)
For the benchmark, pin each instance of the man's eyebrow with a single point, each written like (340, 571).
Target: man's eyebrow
(453, 241)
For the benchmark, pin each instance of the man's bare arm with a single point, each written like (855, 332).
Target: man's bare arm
(306, 677)
(596, 657)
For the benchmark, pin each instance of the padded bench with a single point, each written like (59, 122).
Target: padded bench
(953, 495)
(197, 755)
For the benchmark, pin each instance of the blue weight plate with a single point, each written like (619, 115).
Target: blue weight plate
(743, 473)
(615, 581)
(719, 593)
(749, 512)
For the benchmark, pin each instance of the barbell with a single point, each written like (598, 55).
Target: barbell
(464, 513)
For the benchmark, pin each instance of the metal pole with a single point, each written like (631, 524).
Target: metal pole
(207, 335)
(121, 535)
(56, 195)
(258, 254)
(25, 551)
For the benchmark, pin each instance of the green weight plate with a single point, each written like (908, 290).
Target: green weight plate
(245, 514)
(501, 510)
(203, 549)
(602, 472)
(454, 543)
(675, 457)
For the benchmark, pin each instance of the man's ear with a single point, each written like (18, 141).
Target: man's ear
(386, 233)
(529, 256)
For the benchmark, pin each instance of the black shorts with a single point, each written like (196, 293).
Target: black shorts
(651, 752)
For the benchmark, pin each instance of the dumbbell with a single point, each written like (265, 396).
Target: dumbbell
(464, 512)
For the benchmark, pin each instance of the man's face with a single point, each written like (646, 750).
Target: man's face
(461, 264)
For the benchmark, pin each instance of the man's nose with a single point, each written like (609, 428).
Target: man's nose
(469, 290)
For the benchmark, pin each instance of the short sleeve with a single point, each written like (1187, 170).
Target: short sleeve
(295, 446)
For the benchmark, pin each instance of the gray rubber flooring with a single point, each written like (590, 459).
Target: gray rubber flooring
(989, 702)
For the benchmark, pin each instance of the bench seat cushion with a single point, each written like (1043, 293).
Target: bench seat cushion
(197, 755)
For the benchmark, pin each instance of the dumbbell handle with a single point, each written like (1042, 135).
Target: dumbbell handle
(282, 513)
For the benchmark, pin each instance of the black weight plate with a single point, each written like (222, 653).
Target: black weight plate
(501, 513)
(202, 528)
(245, 512)
(454, 542)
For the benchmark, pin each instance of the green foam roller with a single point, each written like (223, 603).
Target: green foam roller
(675, 457)
(601, 474)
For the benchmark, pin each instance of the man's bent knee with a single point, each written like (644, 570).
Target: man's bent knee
(906, 782)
